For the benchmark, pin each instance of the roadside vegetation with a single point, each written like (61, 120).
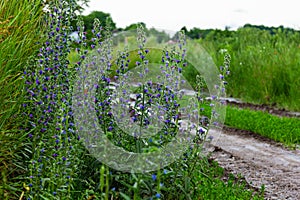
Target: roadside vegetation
(43, 157)
(264, 64)
(285, 130)
(20, 37)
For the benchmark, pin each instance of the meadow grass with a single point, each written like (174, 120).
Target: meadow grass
(280, 129)
(207, 182)
(285, 130)
(201, 178)
(264, 66)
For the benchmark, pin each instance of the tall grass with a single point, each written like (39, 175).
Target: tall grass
(19, 36)
(265, 67)
(19, 31)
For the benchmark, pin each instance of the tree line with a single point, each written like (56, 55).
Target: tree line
(194, 33)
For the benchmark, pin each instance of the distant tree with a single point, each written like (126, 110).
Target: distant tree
(194, 33)
(161, 36)
(272, 30)
(88, 21)
(103, 17)
(184, 29)
(135, 26)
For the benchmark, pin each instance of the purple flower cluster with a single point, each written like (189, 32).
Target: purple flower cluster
(49, 118)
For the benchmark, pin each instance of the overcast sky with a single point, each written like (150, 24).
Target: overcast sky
(174, 14)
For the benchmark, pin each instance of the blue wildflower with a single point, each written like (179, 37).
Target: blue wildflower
(153, 177)
(157, 195)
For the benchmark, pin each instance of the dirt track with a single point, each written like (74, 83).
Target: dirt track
(260, 162)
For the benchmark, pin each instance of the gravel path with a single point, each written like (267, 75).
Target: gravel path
(260, 162)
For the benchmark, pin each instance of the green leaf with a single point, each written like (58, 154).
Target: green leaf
(124, 196)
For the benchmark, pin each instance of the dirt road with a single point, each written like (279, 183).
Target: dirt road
(260, 162)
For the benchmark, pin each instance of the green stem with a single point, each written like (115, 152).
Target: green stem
(107, 184)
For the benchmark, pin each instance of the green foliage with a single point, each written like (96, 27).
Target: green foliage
(264, 66)
(82, 176)
(18, 41)
(103, 17)
(200, 179)
(281, 129)
(89, 178)
(135, 26)
(20, 28)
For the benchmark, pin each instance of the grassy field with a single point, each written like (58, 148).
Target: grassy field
(264, 67)
(281, 129)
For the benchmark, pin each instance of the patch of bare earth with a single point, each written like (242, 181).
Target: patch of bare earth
(259, 160)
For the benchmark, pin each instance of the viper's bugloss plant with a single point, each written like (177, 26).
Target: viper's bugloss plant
(59, 166)
(48, 109)
(129, 107)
